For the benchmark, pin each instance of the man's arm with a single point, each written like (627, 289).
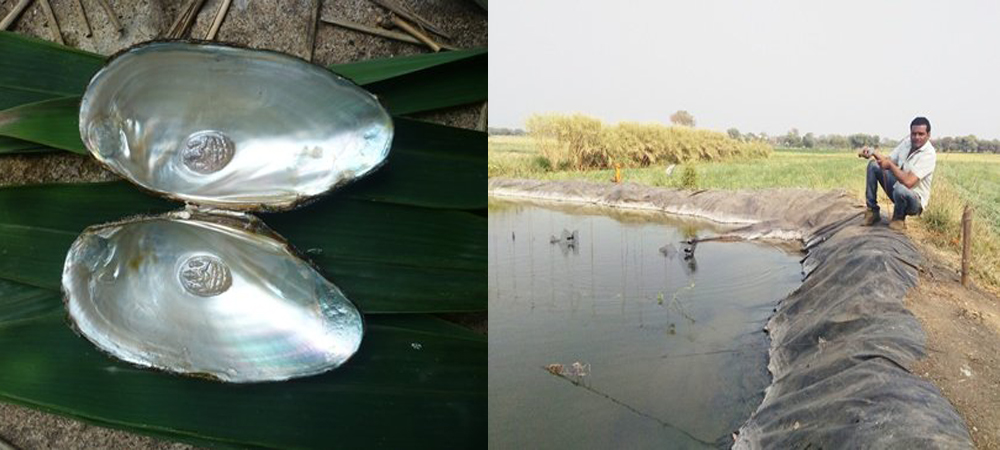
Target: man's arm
(907, 178)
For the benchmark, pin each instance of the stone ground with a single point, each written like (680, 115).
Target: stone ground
(268, 24)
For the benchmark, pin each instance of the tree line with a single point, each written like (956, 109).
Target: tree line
(792, 139)
(506, 131)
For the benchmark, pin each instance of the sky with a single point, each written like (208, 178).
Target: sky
(824, 67)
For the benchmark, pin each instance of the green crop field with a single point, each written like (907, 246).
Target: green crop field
(959, 179)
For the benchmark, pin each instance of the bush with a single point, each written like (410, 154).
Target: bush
(584, 143)
(542, 163)
(689, 178)
(937, 219)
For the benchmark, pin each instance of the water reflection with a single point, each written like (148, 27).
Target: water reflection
(622, 297)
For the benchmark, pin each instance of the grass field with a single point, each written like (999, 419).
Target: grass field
(959, 179)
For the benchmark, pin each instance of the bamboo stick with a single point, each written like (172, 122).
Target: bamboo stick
(189, 18)
(314, 28)
(183, 13)
(416, 33)
(375, 31)
(52, 20)
(111, 14)
(86, 22)
(411, 16)
(14, 14)
(966, 230)
(218, 20)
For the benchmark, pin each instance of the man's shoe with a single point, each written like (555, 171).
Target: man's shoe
(871, 218)
(898, 225)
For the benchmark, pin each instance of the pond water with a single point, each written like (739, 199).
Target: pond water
(670, 352)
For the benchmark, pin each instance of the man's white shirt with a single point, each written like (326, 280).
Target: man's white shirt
(920, 162)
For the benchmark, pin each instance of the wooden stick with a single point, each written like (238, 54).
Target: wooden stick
(52, 20)
(416, 33)
(314, 28)
(966, 230)
(188, 19)
(411, 16)
(111, 14)
(402, 37)
(86, 22)
(183, 12)
(14, 14)
(218, 20)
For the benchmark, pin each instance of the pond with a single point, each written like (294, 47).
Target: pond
(606, 341)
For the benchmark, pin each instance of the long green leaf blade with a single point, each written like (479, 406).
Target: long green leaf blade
(409, 386)
(19, 302)
(48, 122)
(41, 66)
(430, 165)
(458, 83)
(366, 72)
(12, 96)
(11, 145)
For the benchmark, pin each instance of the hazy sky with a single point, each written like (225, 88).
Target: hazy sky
(826, 67)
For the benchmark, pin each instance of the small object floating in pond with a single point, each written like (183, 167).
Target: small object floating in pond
(689, 249)
(566, 238)
(416, 345)
(575, 370)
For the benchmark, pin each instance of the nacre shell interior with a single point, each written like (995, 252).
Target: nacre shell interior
(229, 127)
(207, 296)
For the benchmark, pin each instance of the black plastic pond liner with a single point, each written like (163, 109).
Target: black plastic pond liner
(842, 343)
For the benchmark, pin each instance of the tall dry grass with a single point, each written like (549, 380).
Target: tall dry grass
(583, 143)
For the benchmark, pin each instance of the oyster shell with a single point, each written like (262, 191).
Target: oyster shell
(229, 127)
(207, 294)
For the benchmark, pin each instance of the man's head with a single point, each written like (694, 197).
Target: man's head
(920, 132)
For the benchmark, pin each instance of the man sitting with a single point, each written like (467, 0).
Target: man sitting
(905, 175)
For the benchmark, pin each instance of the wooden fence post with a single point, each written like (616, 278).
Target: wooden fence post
(966, 231)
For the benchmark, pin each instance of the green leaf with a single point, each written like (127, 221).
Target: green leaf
(11, 145)
(49, 122)
(19, 302)
(414, 383)
(387, 258)
(457, 83)
(36, 66)
(11, 97)
(365, 72)
(429, 165)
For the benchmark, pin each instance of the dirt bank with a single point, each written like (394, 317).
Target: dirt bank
(963, 337)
